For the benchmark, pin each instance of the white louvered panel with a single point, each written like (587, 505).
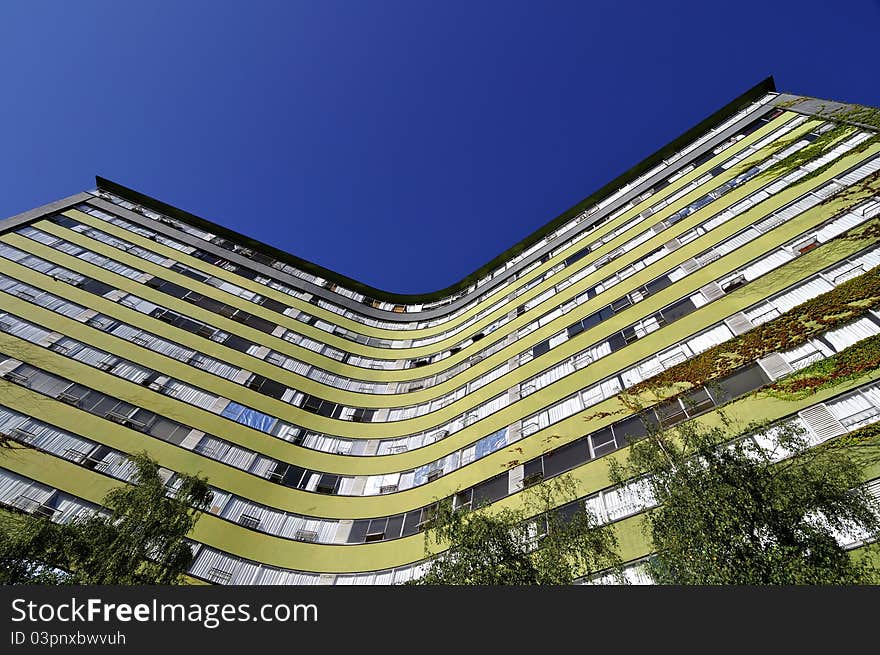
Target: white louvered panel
(564, 409)
(640, 372)
(839, 226)
(759, 196)
(872, 393)
(515, 479)
(646, 327)
(854, 411)
(638, 575)
(851, 537)
(740, 207)
(788, 212)
(611, 387)
(690, 235)
(854, 176)
(861, 137)
(874, 488)
(384, 578)
(740, 239)
(711, 291)
(782, 154)
(851, 333)
(720, 219)
(869, 259)
(71, 508)
(800, 294)
(821, 422)
(707, 257)
(690, 265)
(246, 573)
(843, 272)
(635, 241)
(804, 355)
(592, 395)
(672, 356)
(775, 366)
(738, 323)
(12, 486)
(762, 313)
(828, 190)
(776, 187)
(768, 440)
(804, 204)
(709, 338)
(767, 264)
(868, 209)
(596, 507)
(872, 166)
(769, 223)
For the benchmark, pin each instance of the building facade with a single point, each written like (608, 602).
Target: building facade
(328, 417)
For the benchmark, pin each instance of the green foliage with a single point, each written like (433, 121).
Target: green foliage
(851, 363)
(791, 102)
(825, 141)
(142, 542)
(836, 307)
(732, 515)
(535, 545)
(859, 114)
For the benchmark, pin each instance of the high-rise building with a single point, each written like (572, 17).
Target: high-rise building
(328, 416)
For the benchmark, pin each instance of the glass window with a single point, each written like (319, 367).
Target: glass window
(491, 490)
(603, 442)
(566, 457)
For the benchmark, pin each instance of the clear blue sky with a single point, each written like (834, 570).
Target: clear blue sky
(402, 143)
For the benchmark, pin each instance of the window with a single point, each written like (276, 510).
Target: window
(393, 528)
(742, 381)
(671, 412)
(616, 341)
(249, 521)
(362, 415)
(620, 304)
(376, 530)
(358, 531)
(462, 500)
(491, 490)
(603, 442)
(678, 309)
(631, 428)
(566, 457)
(734, 283)
(426, 519)
(541, 348)
(274, 305)
(327, 484)
(219, 576)
(574, 330)
(697, 401)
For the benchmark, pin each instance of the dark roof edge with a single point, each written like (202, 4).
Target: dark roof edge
(762, 88)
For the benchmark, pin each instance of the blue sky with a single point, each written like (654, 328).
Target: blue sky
(402, 143)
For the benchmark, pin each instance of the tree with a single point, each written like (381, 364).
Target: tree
(762, 509)
(539, 543)
(142, 541)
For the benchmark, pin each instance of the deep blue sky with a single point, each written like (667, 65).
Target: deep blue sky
(403, 143)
